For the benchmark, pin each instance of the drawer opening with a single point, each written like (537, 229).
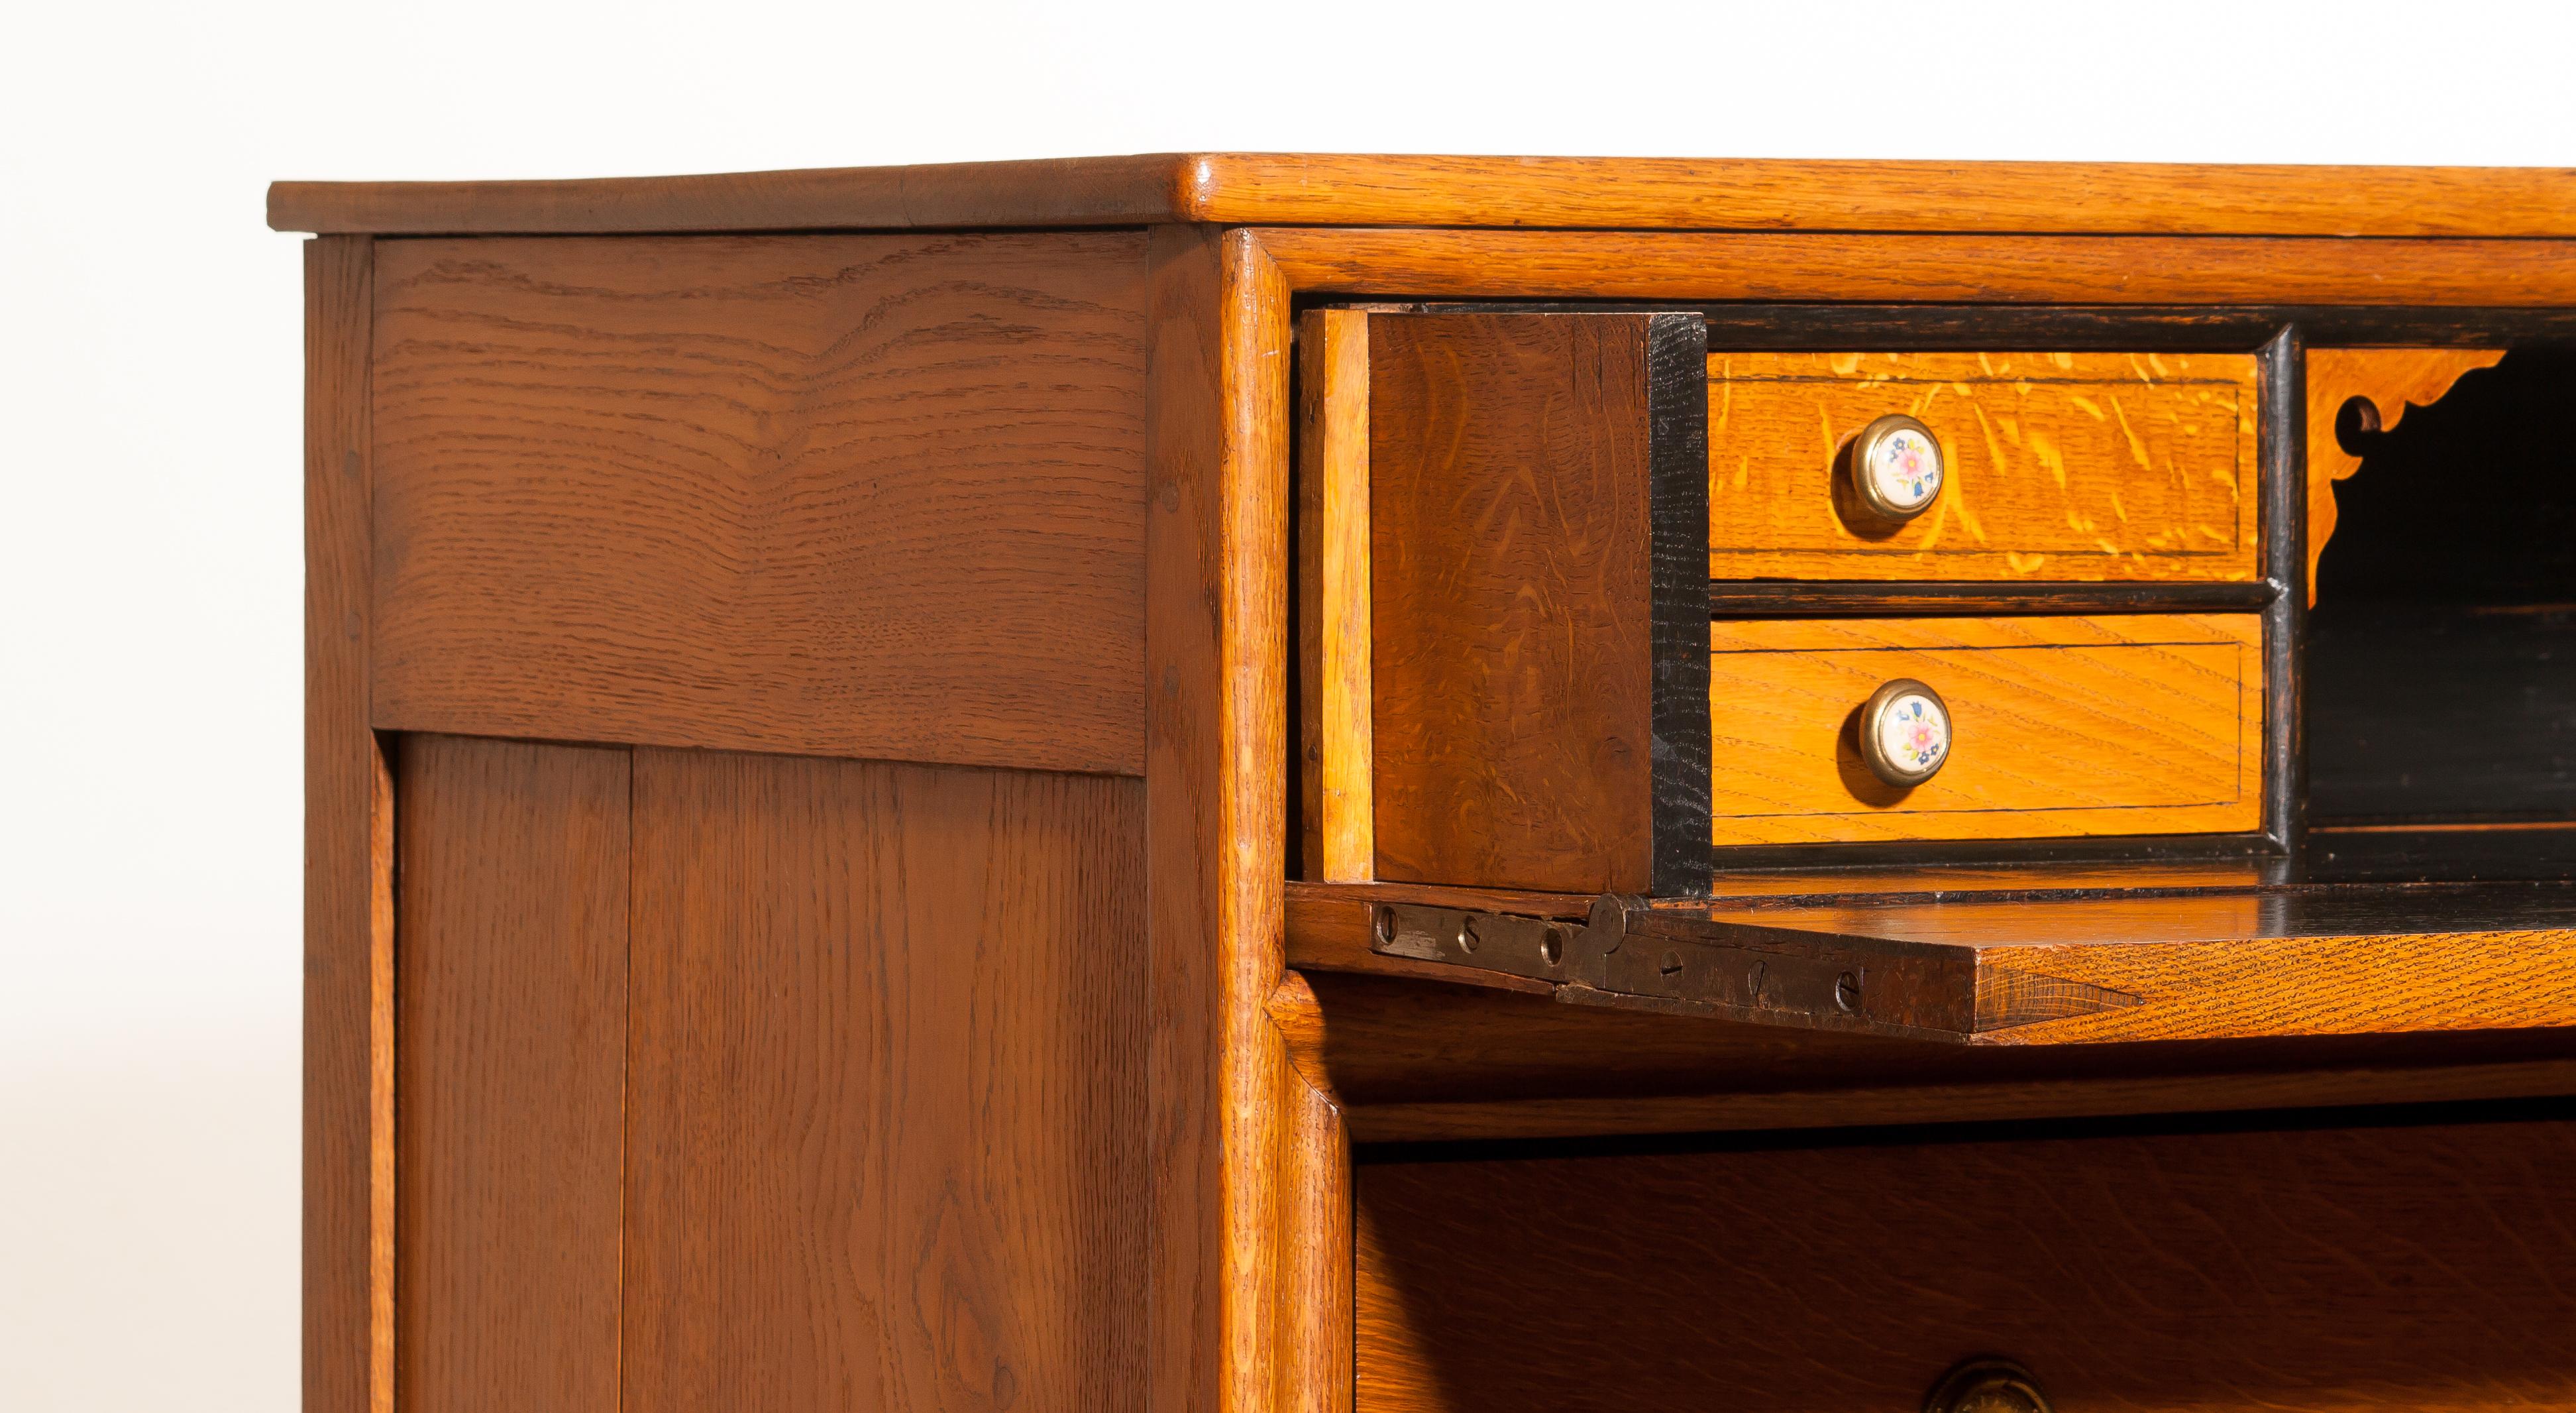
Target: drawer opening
(2441, 652)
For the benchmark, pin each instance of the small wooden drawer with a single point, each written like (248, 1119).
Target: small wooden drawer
(2057, 466)
(2061, 726)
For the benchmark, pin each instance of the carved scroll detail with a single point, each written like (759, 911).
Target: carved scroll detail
(2394, 379)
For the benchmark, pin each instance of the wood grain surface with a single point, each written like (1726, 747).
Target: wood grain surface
(1335, 754)
(2061, 726)
(1248, 187)
(348, 1137)
(2412, 1266)
(1311, 1326)
(2391, 380)
(512, 1072)
(1511, 601)
(2083, 466)
(863, 496)
(1508, 264)
(885, 1138)
(1410, 1059)
(1231, 1143)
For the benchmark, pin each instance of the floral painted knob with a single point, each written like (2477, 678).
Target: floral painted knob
(1905, 732)
(1897, 467)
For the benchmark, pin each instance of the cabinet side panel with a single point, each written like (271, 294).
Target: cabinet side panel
(874, 496)
(511, 1027)
(885, 1139)
(1511, 610)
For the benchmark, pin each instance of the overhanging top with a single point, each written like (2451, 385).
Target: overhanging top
(1562, 192)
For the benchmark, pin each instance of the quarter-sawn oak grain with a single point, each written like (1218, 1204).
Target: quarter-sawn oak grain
(2085, 466)
(2061, 726)
(1511, 645)
(861, 495)
(512, 1073)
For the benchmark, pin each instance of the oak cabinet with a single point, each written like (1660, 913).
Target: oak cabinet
(1373, 785)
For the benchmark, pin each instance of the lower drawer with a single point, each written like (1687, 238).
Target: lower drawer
(2150, 724)
(2417, 1267)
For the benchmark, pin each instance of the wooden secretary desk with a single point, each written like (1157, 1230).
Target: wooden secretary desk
(1379, 785)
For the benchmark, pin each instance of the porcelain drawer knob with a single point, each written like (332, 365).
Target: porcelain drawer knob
(1905, 732)
(1897, 467)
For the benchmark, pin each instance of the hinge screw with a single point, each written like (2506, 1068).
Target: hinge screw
(1847, 991)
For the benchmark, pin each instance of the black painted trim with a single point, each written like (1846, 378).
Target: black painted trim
(1921, 853)
(1862, 598)
(1677, 547)
(2284, 461)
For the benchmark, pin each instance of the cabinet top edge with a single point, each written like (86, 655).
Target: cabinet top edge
(1918, 197)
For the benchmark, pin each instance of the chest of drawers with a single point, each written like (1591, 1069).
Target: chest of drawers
(1372, 785)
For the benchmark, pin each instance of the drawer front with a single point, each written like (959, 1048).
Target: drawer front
(2060, 726)
(2057, 466)
(2407, 1267)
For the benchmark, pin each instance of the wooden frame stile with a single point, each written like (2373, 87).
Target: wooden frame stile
(348, 867)
(1248, 1285)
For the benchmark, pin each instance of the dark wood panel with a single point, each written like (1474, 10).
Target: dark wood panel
(2433, 712)
(1532, 724)
(1242, 187)
(348, 932)
(512, 1072)
(886, 1133)
(2413, 1267)
(2459, 853)
(862, 496)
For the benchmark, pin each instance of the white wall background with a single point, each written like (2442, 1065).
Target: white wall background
(150, 366)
